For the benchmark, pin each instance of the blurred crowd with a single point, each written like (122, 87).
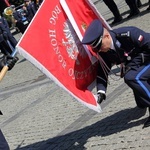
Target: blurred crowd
(18, 19)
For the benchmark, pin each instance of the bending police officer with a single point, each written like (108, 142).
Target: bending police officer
(129, 46)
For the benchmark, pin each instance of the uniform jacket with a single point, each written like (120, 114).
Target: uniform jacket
(2, 31)
(129, 42)
(17, 16)
(5, 28)
(30, 11)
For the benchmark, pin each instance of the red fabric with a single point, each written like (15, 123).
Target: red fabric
(53, 43)
(7, 3)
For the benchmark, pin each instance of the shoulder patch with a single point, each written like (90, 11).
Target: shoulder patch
(124, 34)
(140, 38)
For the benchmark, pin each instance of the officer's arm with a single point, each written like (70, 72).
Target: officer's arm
(102, 79)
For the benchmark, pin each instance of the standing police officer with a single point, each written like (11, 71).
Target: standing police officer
(18, 20)
(148, 6)
(3, 143)
(134, 11)
(31, 10)
(4, 47)
(5, 25)
(128, 46)
(10, 61)
(114, 9)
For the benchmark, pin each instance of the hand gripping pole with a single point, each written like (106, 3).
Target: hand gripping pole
(5, 68)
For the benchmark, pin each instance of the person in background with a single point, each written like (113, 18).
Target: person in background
(128, 46)
(148, 6)
(3, 143)
(11, 38)
(18, 20)
(114, 9)
(10, 61)
(139, 4)
(30, 9)
(4, 45)
(134, 11)
(40, 2)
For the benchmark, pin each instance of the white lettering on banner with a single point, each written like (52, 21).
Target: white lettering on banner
(53, 41)
(80, 75)
(71, 44)
(52, 35)
(54, 16)
(71, 73)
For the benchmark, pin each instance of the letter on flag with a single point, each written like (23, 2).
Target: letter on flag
(52, 42)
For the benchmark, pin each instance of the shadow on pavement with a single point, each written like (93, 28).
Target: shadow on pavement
(76, 140)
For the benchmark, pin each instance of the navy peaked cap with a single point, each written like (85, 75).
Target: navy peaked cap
(94, 31)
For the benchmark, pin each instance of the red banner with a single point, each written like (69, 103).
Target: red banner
(53, 45)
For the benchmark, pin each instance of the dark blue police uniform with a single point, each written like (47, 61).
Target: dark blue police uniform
(18, 17)
(3, 143)
(4, 47)
(11, 38)
(132, 50)
(114, 9)
(31, 10)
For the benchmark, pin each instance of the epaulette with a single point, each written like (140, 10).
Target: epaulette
(124, 34)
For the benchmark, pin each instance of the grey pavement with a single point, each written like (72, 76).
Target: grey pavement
(39, 115)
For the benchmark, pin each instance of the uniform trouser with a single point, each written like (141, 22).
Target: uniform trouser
(113, 7)
(3, 142)
(132, 5)
(21, 27)
(4, 47)
(12, 40)
(138, 79)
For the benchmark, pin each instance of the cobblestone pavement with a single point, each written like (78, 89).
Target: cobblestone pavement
(38, 115)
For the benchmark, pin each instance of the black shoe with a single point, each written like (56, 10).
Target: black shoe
(134, 14)
(117, 20)
(147, 123)
(1, 113)
(148, 8)
(139, 4)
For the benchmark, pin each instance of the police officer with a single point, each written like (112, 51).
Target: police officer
(128, 46)
(3, 143)
(134, 11)
(10, 61)
(31, 10)
(139, 4)
(18, 20)
(5, 25)
(114, 9)
(4, 47)
(148, 6)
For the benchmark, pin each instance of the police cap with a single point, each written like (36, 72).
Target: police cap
(93, 35)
